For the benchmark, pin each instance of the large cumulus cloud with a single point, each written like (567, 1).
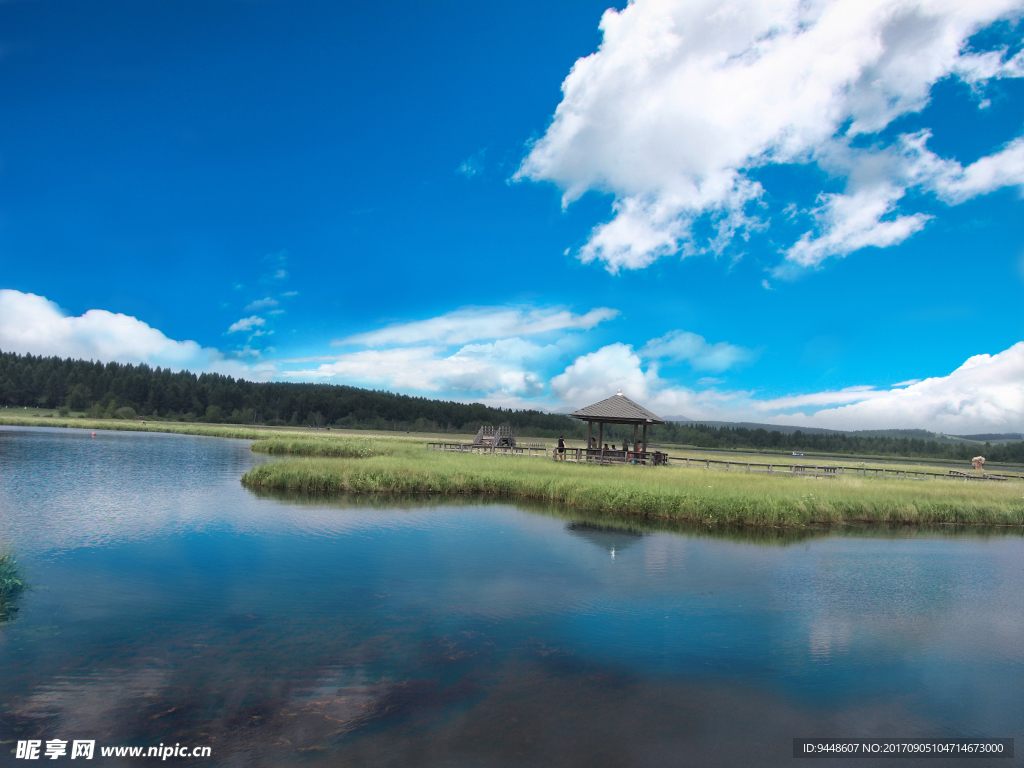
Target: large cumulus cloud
(31, 324)
(984, 395)
(686, 99)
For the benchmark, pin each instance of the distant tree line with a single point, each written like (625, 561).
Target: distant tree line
(118, 390)
(703, 436)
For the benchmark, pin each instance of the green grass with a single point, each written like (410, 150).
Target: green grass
(670, 493)
(341, 461)
(341, 446)
(11, 586)
(115, 425)
(14, 418)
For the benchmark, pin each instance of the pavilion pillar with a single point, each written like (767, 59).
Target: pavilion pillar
(590, 431)
(645, 438)
(600, 437)
(634, 436)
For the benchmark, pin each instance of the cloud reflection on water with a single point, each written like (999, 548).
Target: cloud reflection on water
(425, 631)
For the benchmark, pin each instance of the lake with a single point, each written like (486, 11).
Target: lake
(170, 605)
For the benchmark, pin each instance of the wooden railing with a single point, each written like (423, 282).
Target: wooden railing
(527, 451)
(610, 456)
(576, 455)
(821, 470)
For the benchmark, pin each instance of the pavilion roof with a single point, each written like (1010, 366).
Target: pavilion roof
(617, 409)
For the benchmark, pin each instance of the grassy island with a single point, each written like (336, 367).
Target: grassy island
(670, 493)
(346, 461)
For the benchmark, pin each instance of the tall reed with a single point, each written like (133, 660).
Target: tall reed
(341, 447)
(11, 586)
(697, 495)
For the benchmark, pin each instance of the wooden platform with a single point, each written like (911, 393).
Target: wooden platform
(575, 455)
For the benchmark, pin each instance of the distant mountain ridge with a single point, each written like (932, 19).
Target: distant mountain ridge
(921, 434)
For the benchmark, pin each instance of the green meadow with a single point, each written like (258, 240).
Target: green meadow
(716, 497)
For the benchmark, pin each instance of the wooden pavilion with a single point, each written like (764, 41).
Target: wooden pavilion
(617, 409)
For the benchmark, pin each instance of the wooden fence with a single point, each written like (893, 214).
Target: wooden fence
(820, 470)
(526, 451)
(657, 458)
(576, 455)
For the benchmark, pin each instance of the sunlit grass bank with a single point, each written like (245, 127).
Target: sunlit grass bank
(577, 519)
(301, 435)
(339, 447)
(696, 495)
(11, 586)
(115, 425)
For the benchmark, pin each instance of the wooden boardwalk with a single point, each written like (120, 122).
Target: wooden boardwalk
(575, 455)
(657, 458)
(829, 470)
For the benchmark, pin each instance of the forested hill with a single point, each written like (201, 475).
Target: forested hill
(859, 444)
(115, 390)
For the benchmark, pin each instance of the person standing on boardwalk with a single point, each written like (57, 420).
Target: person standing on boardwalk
(561, 448)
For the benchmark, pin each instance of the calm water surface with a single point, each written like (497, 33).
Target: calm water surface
(170, 604)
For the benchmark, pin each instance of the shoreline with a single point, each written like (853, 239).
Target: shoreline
(346, 462)
(625, 516)
(262, 432)
(666, 493)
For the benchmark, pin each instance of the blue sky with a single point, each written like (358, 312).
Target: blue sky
(766, 211)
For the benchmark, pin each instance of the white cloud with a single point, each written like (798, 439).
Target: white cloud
(685, 98)
(678, 346)
(597, 375)
(866, 215)
(985, 394)
(979, 67)
(850, 222)
(478, 352)
(473, 165)
(500, 370)
(31, 324)
(954, 184)
(246, 324)
(261, 304)
(467, 325)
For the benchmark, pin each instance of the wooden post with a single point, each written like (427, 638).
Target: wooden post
(645, 438)
(600, 437)
(634, 435)
(590, 428)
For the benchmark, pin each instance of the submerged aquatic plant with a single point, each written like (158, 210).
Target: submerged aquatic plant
(11, 587)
